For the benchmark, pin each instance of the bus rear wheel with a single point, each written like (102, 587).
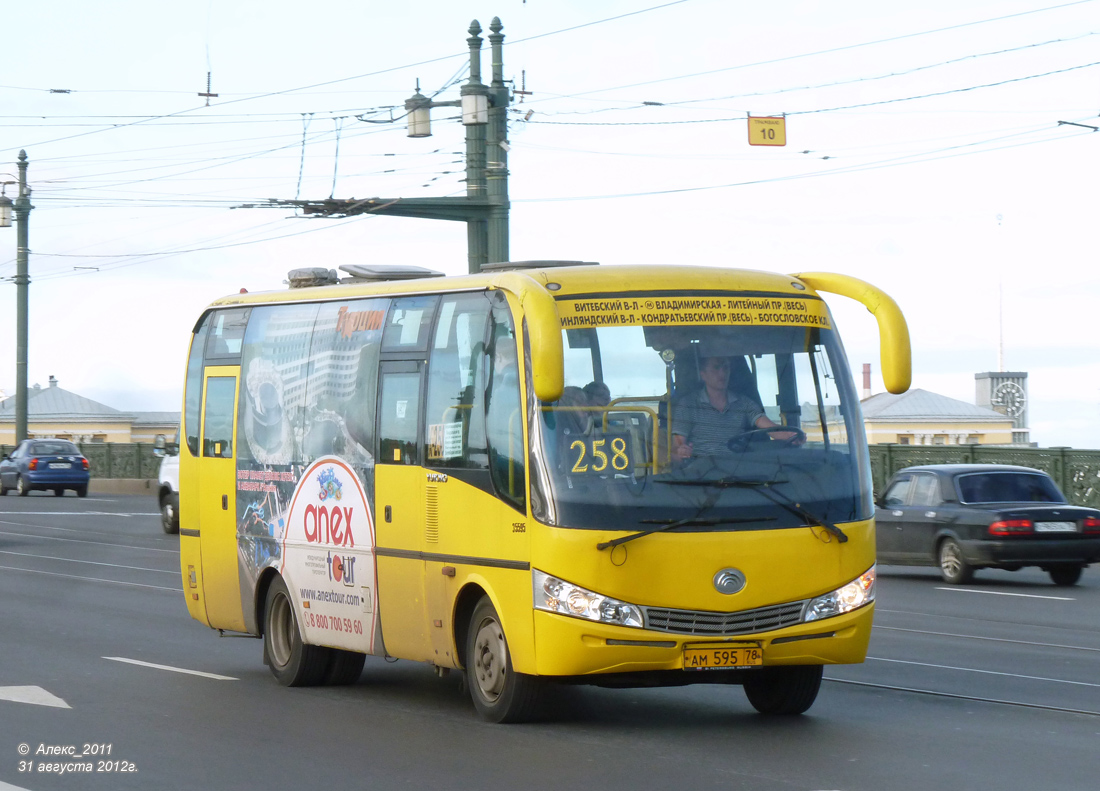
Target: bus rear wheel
(344, 667)
(784, 690)
(499, 693)
(292, 662)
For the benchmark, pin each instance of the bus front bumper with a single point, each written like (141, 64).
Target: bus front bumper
(568, 646)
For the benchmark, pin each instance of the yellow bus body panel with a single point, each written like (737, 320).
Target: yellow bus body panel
(677, 571)
(577, 647)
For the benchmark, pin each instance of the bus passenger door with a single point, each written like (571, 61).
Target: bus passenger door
(217, 503)
(399, 492)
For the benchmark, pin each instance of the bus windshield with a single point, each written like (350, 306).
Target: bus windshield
(700, 428)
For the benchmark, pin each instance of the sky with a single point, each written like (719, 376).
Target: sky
(944, 151)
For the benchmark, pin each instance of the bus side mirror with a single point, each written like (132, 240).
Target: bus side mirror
(543, 331)
(160, 446)
(894, 350)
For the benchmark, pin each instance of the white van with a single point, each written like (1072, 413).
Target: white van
(168, 484)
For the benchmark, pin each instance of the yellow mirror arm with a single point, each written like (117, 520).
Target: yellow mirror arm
(543, 329)
(895, 355)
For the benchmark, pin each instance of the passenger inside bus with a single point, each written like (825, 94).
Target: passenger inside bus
(705, 420)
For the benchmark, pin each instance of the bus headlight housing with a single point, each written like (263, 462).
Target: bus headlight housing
(855, 594)
(555, 595)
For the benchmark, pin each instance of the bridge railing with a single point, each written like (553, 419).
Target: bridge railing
(1077, 472)
(115, 459)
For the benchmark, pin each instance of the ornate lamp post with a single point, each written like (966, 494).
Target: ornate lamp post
(485, 206)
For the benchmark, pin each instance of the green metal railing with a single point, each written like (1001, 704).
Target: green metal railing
(1077, 472)
(115, 459)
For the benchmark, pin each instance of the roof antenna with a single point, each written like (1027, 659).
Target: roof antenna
(1000, 316)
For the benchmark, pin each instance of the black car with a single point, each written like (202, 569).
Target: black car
(961, 517)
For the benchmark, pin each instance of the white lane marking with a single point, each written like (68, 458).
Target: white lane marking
(34, 695)
(92, 579)
(5, 787)
(85, 513)
(214, 676)
(962, 697)
(991, 639)
(82, 541)
(984, 672)
(1002, 593)
(89, 562)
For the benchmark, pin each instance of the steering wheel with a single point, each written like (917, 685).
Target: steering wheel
(741, 441)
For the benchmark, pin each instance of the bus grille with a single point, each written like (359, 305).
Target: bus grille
(762, 619)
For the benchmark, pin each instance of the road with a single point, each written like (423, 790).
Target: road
(989, 686)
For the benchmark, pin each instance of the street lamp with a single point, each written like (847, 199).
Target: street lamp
(483, 114)
(21, 207)
(5, 205)
(484, 208)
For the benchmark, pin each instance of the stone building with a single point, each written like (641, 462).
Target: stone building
(55, 412)
(918, 417)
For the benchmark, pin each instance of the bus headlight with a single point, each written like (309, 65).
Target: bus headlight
(555, 595)
(852, 596)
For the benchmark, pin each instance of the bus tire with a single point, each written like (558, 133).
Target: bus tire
(292, 662)
(499, 693)
(344, 667)
(784, 690)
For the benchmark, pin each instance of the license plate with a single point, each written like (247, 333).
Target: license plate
(714, 658)
(1055, 527)
(60, 465)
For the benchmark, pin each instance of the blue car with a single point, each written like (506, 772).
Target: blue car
(55, 464)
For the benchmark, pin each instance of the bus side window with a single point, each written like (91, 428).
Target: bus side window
(408, 324)
(505, 416)
(193, 388)
(455, 415)
(399, 413)
(217, 423)
(227, 329)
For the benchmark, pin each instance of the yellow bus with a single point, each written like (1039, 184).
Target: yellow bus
(545, 473)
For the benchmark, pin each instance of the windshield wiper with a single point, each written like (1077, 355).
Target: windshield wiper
(765, 488)
(670, 524)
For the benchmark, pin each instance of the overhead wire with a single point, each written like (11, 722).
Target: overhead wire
(635, 105)
(828, 51)
(742, 117)
(893, 162)
(339, 127)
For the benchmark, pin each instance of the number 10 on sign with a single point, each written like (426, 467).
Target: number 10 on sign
(767, 131)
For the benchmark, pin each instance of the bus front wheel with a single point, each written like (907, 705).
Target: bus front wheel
(784, 690)
(499, 693)
(292, 662)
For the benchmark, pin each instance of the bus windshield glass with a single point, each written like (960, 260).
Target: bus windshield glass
(699, 426)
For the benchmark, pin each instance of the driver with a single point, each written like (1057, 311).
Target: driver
(704, 422)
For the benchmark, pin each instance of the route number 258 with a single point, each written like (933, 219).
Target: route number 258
(596, 455)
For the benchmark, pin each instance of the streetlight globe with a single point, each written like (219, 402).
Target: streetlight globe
(475, 109)
(5, 211)
(419, 110)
